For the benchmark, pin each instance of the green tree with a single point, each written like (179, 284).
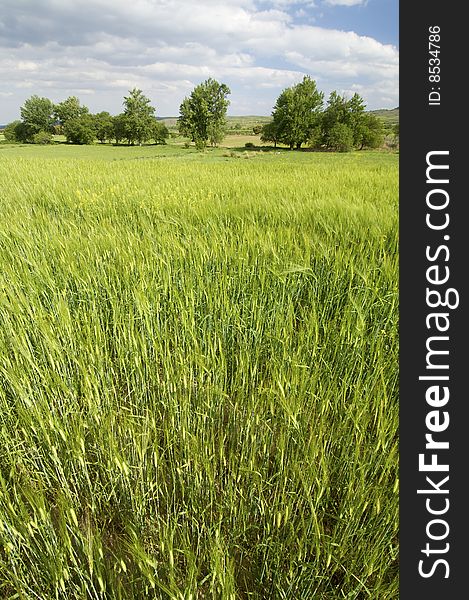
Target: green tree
(160, 132)
(297, 112)
(104, 126)
(37, 114)
(270, 133)
(202, 116)
(139, 116)
(340, 138)
(366, 128)
(369, 132)
(10, 132)
(80, 130)
(119, 127)
(71, 108)
(335, 112)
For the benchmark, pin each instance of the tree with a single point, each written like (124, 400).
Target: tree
(80, 130)
(69, 109)
(297, 111)
(119, 127)
(37, 114)
(257, 129)
(160, 132)
(104, 126)
(340, 138)
(202, 115)
(270, 133)
(369, 131)
(10, 133)
(139, 116)
(366, 128)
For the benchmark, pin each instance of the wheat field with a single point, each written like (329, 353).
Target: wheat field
(199, 376)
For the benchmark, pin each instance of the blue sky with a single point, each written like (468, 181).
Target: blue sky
(376, 18)
(99, 49)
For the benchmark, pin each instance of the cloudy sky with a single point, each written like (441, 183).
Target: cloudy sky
(99, 49)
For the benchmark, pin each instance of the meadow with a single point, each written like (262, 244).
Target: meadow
(199, 374)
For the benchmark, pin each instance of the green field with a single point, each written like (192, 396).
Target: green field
(199, 374)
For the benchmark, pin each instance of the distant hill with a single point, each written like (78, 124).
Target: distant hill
(233, 122)
(389, 116)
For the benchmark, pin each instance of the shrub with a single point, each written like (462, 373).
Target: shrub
(249, 145)
(42, 137)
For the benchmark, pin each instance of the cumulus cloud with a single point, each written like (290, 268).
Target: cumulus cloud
(102, 48)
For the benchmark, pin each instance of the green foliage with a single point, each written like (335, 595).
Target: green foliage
(104, 126)
(119, 127)
(139, 117)
(202, 115)
(71, 108)
(366, 128)
(296, 113)
(340, 138)
(257, 129)
(10, 133)
(160, 132)
(37, 114)
(270, 133)
(42, 137)
(80, 130)
(370, 131)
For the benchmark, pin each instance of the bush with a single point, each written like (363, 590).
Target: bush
(249, 145)
(42, 137)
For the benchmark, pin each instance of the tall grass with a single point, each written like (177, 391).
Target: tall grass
(198, 393)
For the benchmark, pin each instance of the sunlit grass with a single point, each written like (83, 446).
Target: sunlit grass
(198, 391)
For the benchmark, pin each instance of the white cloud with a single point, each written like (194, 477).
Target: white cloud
(346, 2)
(102, 48)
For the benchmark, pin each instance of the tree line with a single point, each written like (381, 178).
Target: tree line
(41, 119)
(300, 117)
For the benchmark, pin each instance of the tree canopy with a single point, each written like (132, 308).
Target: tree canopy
(202, 115)
(138, 116)
(37, 114)
(348, 115)
(297, 112)
(71, 108)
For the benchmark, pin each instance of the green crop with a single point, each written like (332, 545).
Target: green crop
(199, 378)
